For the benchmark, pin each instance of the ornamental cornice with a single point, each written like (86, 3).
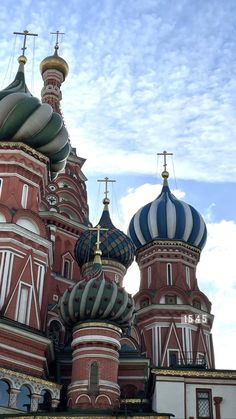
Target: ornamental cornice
(195, 373)
(28, 378)
(165, 243)
(9, 145)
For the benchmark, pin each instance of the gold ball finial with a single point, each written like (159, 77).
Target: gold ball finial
(22, 59)
(106, 201)
(165, 174)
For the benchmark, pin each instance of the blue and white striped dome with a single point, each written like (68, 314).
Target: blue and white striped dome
(167, 218)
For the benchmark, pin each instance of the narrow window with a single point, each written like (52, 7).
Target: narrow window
(187, 273)
(169, 274)
(23, 304)
(66, 269)
(40, 282)
(149, 276)
(204, 404)
(93, 382)
(173, 358)
(1, 184)
(24, 196)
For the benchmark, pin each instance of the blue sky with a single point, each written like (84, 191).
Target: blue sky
(145, 76)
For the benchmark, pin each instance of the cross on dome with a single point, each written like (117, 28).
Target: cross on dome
(25, 34)
(57, 33)
(106, 180)
(165, 174)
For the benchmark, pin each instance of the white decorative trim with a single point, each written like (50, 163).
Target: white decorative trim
(94, 338)
(19, 351)
(96, 356)
(24, 364)
(113, 351)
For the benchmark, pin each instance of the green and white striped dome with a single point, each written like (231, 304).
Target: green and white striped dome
(23, 118)
(96, 298)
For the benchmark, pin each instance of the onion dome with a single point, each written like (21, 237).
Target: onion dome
(167, 218)
(97, 299)
(24, 118)
(54, 62)
(115, 245)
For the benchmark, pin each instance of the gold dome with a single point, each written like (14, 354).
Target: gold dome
(54, 62)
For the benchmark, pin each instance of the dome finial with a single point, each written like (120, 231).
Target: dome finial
(22, 59)
(165, 174)
(106, 180)
(57, 33)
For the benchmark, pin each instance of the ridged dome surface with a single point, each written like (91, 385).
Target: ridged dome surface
(167, 218)
(96, 299)
(114, 245)
(54, 62)
(23, 118)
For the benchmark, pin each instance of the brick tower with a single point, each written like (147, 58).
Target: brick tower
(173, 315)
(98, 310)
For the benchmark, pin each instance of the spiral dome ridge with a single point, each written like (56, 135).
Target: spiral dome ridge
(115, 244)
(96, 299)
(167, 218)
(23, 118)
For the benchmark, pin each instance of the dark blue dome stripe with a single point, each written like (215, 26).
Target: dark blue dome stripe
(180, 217)
(161, 217)
(196, 225)
(203, 240)
(143, 219)
(132, 234)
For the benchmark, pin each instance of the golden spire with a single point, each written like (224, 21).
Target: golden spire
(22, 59)
(165, 174)
(98, 252)
(106, 180)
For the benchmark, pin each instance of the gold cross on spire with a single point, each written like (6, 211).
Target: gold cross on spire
(25, 34)
(165, 174)
(57, 33)
(98, 252)
(106, 180)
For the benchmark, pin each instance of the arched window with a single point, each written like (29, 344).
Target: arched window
(23, 399)
(45, 401)
(169, 274)
(24, 196)
(149, 276)
(66, 269)
(187, 273)
(4, 393)
(93, 381)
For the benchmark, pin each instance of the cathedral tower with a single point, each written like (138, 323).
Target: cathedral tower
(173, 315)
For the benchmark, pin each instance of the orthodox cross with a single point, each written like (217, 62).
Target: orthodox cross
(57, 33)
(106, 180)
(25, 34)
(98, 229)
(165, 154)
